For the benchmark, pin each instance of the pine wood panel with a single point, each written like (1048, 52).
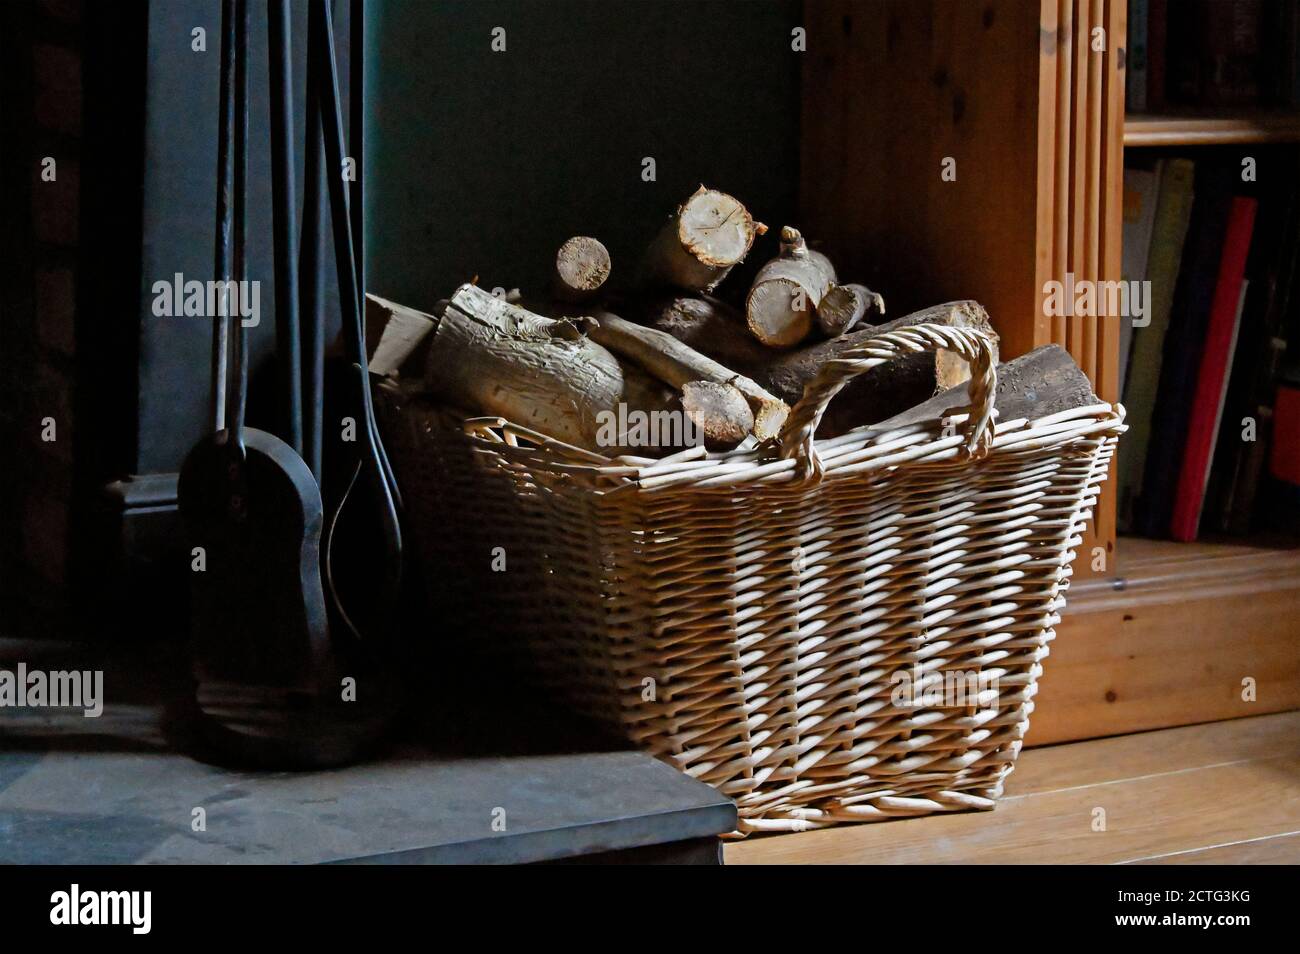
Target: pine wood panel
(1153, 811)
(1169, 640)
(1087, 205)
(1058, 203)
(891, 89)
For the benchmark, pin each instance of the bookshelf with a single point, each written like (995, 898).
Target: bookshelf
(1213, 129)
(1164, 633)
(1195, 614)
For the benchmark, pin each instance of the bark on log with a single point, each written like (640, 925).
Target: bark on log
(786, 292)
(675, 363)
(886, 390)
(1043, 382)
(496, 358)
(844, 306)
(581, 267)
(710, 326)
(707, 235)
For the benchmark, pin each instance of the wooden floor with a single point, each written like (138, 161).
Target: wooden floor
(1221, 793)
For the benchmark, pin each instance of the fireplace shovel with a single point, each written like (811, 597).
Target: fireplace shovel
(272, 688)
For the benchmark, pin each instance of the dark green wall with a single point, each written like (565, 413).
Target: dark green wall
(481, 163)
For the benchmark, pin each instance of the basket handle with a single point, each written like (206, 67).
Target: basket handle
(976, 347)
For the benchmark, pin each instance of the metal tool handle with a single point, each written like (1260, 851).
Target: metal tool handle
(237, 402)
(221, 268)
(280, 52)
(373, 464)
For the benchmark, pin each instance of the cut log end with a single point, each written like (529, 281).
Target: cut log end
(769, 418)
(720, 412)
(779, 312)
(582, 266)
(843, 307)
(950, 369)
(678, 364)
(715, 228)
(707, 235)
(787, 291)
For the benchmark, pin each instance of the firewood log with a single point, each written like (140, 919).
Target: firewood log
(396, 333)
(581, 267)
(786, 292)
(886, 390)
(702, 322)
(719, 411)
(493, 357)
(707, 235)
(1043, 382)
(844, 306)
(675, 363)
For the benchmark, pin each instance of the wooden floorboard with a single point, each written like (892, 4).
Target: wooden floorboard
(1220, 793)
(1269, 850)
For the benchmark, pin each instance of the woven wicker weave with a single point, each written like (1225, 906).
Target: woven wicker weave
(749, 617)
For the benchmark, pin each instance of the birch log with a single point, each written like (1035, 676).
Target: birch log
(677, 364)
(887, 390)
(708, 234)
(581, 267)
(844, 306)
(496, 358)
(786, 291)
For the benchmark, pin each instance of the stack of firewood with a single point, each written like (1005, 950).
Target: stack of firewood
(569, 362)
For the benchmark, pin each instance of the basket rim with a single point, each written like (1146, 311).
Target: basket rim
(865, 449)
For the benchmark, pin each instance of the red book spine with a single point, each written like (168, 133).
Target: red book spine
(1216, 359)
(1285, 461)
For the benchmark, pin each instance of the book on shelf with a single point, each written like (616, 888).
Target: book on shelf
(1216, 350)
(1215, 53)
(1141, 187)
(1247, 419)
(1203, 375)
(1168, 232)
(1284, 456)
(1189, 318)
(1282, 495)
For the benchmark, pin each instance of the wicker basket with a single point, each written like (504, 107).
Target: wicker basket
(758, 618)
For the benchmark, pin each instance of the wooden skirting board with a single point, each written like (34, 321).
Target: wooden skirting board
(1169, 639)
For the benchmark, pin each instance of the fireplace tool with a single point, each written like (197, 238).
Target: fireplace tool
(283, 676)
